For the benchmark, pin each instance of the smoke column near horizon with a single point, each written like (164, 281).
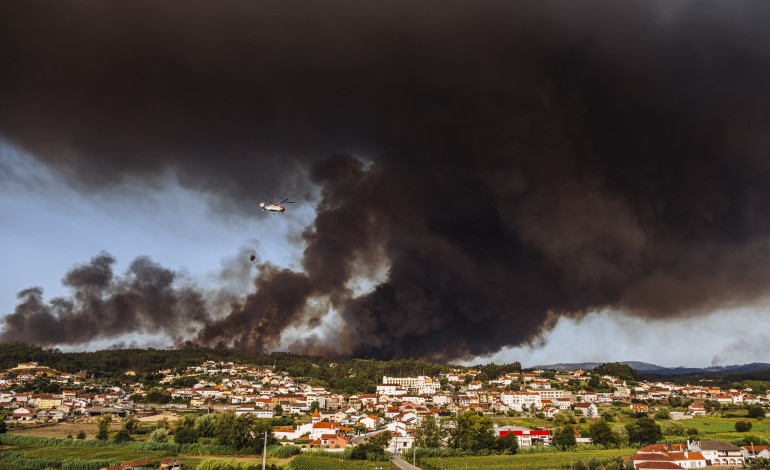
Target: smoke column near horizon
(504, 163)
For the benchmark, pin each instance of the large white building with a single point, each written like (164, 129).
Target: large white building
(422, 385)
(518, 400)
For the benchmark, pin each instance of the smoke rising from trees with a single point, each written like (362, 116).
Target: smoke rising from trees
(504, 163)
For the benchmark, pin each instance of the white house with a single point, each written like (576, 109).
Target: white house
(754, 451)
(518, 400)
(718, 452)
(371, 422)
(589, 409)
(259, 413)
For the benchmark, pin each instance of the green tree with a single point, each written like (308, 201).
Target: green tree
(663, 413)
(644, 431)
(756, 411)
(244, 431)
(130, 424)
(472, 432)
(206, 425)
(380, 440)
(81, 435)
(429, 433)
(594, 383)
(373, 447)
(103, 432)
(672, 428)
(314, 406)
(159, 435)
(563, 418)
(564, 438)
(122, 435)
(675, 401)
(507, 444)
(278, 410)
(184, 430)
(157, 396)
(163, 423)
(601, 434)
(617, 369)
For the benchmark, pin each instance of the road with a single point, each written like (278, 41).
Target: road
(402, 464)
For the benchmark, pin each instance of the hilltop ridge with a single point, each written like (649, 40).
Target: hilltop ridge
(647, 368)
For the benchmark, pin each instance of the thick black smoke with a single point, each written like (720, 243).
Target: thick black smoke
(145, 300)
(505, 162)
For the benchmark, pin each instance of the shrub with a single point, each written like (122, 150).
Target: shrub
(159, 435)
(756, 411)
(743, 426)
(283, 452)
(122, 435)
(673, 428)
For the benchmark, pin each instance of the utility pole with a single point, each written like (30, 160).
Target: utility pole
(264, 453)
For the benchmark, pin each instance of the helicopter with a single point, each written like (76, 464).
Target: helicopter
(273, 205)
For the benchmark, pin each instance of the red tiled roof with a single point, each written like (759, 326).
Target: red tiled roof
(659, 466)
(652, 457)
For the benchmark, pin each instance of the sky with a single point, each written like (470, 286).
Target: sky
(542, 182)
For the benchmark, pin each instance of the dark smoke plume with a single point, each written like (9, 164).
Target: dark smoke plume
(503, 163)
(145, 300)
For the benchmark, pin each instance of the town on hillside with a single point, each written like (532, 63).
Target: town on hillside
(577, 407)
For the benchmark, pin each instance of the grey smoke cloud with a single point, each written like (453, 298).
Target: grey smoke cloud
(147, 299)
(524, 160)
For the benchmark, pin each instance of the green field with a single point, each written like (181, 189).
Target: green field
(724, 428)
(726, 425)
(307, 462)
(38, 453)
(534, 461)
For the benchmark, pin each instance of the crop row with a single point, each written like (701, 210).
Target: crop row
(543, 461)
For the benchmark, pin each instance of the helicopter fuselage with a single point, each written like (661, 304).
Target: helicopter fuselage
(272, 207)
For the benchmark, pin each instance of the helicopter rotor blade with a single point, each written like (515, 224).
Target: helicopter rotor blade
(271, 196)
(266, 200)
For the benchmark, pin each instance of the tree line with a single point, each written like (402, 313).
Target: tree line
(344, 375)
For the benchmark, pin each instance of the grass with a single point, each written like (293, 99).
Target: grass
(64, 451)
(314, 462)
(717, 428)
(535, 461)
(92, 453)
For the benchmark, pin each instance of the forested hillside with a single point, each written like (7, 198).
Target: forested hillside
(340, 374)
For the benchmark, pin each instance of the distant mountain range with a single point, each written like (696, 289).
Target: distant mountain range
(646, 368)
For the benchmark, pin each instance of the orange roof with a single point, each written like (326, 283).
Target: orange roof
(659, 465)
(324, 425)
(316, 414)
(654, 448)
(651, 456)
(755, 448)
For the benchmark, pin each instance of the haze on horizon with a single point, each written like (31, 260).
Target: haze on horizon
(534, 181)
